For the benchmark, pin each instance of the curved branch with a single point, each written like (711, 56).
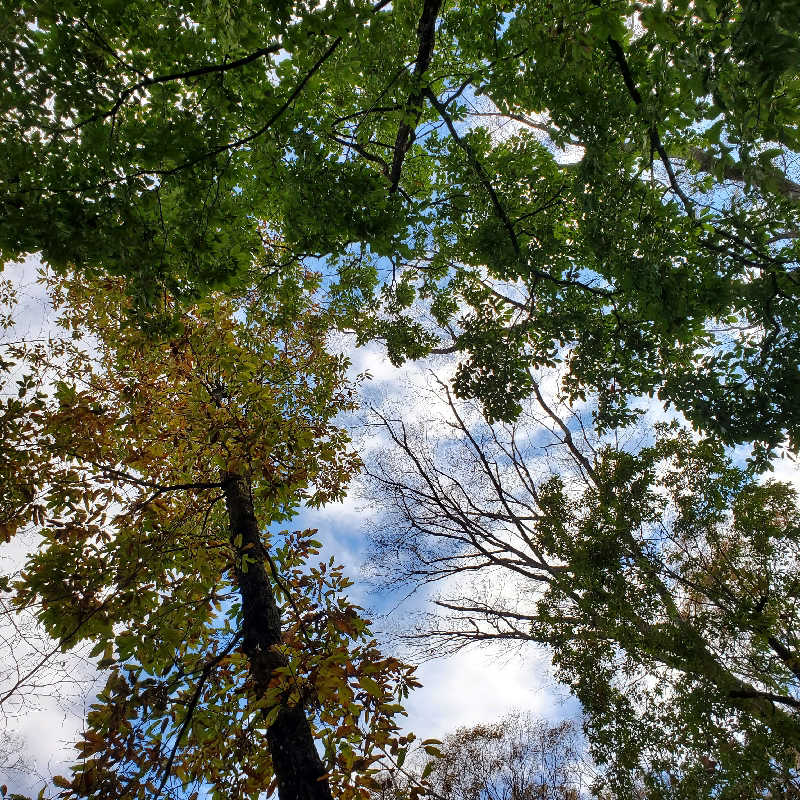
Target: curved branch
(190, 709)
(209, 69)
(734, 172)
(655, 139)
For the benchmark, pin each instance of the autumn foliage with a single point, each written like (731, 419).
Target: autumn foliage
(124, 449)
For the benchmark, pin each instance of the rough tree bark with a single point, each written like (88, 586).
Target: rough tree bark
(299, 770)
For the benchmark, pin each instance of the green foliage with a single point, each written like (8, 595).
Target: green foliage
(656, 254)
(150, 140)
(677, 627)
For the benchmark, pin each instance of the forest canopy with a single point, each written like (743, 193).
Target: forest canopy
(606, 189)
(180, 144)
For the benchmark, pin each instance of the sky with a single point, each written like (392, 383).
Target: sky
(40, 730)
(474, 685)
(477, 684)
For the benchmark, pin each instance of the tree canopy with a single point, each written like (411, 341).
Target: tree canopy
(606, 185)
(517, 757)
(167, 141)
(154, 473)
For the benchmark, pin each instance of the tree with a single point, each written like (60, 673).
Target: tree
(662, 577)
(518, 757)
(155, 473)
(161, 141)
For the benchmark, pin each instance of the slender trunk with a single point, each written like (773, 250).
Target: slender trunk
(298, 767)
(683, 648)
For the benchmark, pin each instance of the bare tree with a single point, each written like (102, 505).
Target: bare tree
(662, 577)
(518, 757)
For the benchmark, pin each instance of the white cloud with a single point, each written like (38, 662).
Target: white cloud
(479, 685)
(43, 719)
(33, 315)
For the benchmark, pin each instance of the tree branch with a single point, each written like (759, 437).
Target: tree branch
(191, 707)
(209, 69)
(426, 32)
(655, 139)
(734, 172)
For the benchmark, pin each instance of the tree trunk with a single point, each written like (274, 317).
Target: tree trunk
(682, 648)
(298, 768)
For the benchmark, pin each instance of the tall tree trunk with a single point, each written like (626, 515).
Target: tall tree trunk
(298, 767)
